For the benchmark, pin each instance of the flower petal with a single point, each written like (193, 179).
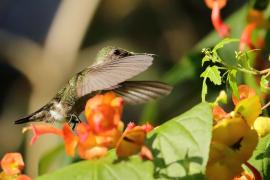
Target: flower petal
(262, 126)
(71, 141)
(244, 92)
(219, 113)
(228, 131)
(91, 153)
(40, 129)
(12, 163)
(23, 177)
(249, 109)
(146, 153)
(131, 142)
(222, 29)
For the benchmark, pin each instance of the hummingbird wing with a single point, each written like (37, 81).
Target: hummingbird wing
(136, 92)
(110, 73)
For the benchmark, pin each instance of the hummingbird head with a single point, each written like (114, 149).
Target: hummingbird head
(111, 53)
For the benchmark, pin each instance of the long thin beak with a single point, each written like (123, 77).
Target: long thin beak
(153, 55)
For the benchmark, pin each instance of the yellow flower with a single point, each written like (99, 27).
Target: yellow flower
(262, 126)
(249, 109)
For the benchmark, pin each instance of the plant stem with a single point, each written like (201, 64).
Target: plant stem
(266, 105)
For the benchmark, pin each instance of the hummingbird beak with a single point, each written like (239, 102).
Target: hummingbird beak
(152, 55)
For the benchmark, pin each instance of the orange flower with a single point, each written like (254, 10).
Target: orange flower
(244, 92)
(40, 129)
(132, 141)
(103, 112)
(255, 19)
(102, 131)
(255, 175)
(219, 113)
(23, 177)
(222, 29)
(71, 141)
(245, 39)
(12, 163)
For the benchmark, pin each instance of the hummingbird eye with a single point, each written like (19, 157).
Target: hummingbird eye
(116, 52)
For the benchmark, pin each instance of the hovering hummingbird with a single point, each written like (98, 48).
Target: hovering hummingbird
(113, 66)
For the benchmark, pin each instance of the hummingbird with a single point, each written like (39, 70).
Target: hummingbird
(111, 71)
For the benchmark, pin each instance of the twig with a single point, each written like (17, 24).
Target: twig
(266, 105)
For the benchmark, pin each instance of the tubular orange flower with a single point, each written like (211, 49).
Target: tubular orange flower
(23, 177)
(12, 163)
(218, 113)
(102, 131)
(146, 153)
(245, 39)
(244, 92)
(94, 152)
(103, 112)
(40, 129)
(222, 29)
(71, 141)
(132, 141)
(255, 19)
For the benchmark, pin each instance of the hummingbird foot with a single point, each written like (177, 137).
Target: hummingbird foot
(73, 121)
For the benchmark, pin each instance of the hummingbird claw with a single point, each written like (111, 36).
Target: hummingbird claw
(73, 121)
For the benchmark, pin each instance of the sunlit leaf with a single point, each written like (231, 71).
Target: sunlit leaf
(261, 157)
(213, 74)
(264, 83)
(181, 145)
(232, 82)
(105, 168)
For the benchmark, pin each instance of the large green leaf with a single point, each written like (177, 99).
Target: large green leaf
(181, 145)
(261, 157)
(105, 168)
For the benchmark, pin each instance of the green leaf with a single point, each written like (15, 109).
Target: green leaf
(54, 159)
(264, 83)
(204, 90)
(181, 145)
(207, 56)
(261, 157)
(108, 167)
(213, 74)
(224, 42)
(232, 82)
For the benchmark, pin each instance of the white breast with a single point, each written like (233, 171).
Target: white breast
(58, 112)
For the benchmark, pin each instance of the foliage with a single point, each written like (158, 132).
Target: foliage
(190, 156)
(203, 142)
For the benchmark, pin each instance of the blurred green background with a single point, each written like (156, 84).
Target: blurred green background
(42, 43)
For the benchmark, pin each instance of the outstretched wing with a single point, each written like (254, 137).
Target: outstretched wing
(133, 92)
(136, 92)
(108, 74)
